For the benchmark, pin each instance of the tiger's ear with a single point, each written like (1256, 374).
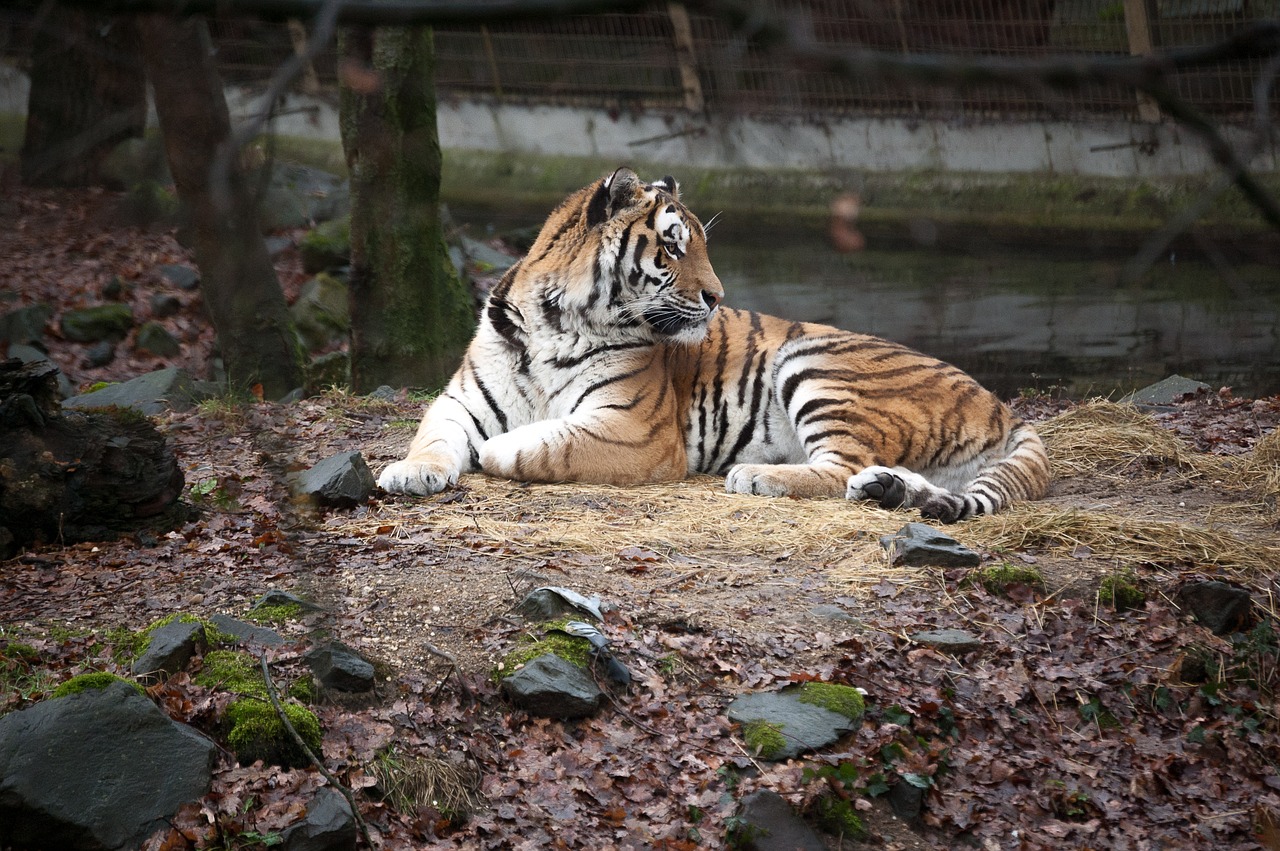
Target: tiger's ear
(615, 193)
(668, 184)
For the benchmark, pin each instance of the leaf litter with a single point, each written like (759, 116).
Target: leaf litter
(1073, 726)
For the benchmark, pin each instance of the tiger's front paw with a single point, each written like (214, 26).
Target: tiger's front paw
(879, 485)
(417, 478)
(758, 479)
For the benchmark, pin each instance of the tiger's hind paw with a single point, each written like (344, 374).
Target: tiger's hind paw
(947, 507)
(416, 478)
(879, 485)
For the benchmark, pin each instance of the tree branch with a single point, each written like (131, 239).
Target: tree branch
(372, 12)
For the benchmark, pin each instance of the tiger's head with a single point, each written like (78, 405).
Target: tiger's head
(637, 260)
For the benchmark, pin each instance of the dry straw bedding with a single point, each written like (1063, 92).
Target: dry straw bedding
(696, 522)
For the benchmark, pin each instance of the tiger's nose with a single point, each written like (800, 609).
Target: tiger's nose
(711, 298)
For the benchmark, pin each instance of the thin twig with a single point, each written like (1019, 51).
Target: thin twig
(457, 669)
(288, 725)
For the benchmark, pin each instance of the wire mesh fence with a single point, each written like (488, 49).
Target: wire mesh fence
(671, 58)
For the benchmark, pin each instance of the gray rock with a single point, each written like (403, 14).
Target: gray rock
(341, 480)
(276, 597)
(551, 603)
(804, 726)
(338, 667)
(832, 612)
(919, 545)
(332, 369)
(327, 826)
(1166, 392)
(299, 196)
(155, 338)
(116, 289)
(1221, 608)
(948, 640)
(553, 688)
(907, 801)
(247, 633)
(277, 245)
(182, 277)
(26, 324)
(321, 313)
(766, 822)
(135, 161)
(151, 394)
(384, 393)
(100, 354)
(93, 324)
(170, 648)
(164, 305)
(326, 247)
(102, 769)
(489, 260)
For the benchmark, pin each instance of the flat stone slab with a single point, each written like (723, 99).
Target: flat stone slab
(804, 726)
(151, 394)
(1167, 391)
(949, 640)
(921, 545)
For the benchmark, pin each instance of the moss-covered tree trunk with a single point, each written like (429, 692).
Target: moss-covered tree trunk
(239, 284)
(411, 317)
(88, 93)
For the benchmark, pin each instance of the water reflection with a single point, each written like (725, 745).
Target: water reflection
(1020, 321)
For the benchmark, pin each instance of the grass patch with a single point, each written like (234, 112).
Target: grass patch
(408, 783)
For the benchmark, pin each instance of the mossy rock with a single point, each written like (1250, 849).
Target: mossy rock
(95, 680)
(841, 699)
(326, 247)
(255, 732)
(93, 324)
(1120, 591)
(764, 739)
(553, 641)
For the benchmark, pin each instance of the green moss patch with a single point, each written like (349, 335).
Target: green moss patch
(255, 732)
(274, 614)
(837, 816)
(764, 739)
(998, 578)
(553, 641)
(844, 700)
(234, 671)
(1120, 591)
(95, 680)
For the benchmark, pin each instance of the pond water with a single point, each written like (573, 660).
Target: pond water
(1023, 321)
(1020, 320)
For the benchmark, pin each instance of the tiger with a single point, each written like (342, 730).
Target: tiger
(606, 356)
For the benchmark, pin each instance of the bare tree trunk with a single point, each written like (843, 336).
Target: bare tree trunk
(411, 317)
(88, 94)
(241, 291)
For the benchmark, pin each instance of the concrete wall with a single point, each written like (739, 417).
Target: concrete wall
(1096, 148)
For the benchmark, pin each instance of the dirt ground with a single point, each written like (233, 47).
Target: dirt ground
(1075, 725)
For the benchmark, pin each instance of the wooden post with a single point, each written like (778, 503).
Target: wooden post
(298, 35)
(1138, 25)
(493, 61)
(686, 58)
